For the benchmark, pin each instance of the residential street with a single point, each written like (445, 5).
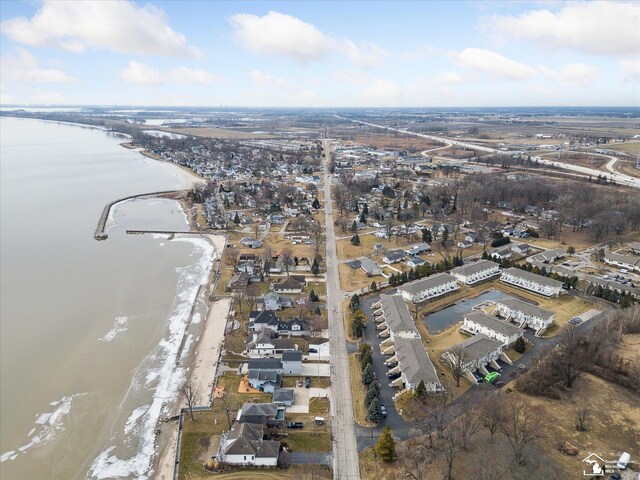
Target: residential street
(345, 452)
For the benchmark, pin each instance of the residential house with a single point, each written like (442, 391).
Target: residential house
(629, 262)
(634, 247)
(501, 254)
(465, 244)
(550, 215)
(414, 365)
(426, 288)
(265, 373)
(521, 249)
(476, 272)
(273, 302)
(298, 327)
(283, 396)
(259, 320)
(525, 314)
(532, 282)
(292, 362)
(264, 343)
(290, 284)
(477, 322)
(393, 256)
(548, 256)
(418, 249)
(370, 267)
(268, 414)
(477, 352)
(471, 237)
(414, 262)
(239, 281)
(244, 444)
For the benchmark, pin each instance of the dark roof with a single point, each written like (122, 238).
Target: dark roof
(282, 395)
(287, 326)
(292, 356)
(266, 318)
(475, 267)
(265, 363)
(259, 409)
(246, 439)
(290, 282)
(395, 255)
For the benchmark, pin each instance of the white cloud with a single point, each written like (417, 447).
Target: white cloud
(572, 74)
(493, 64)
(449, 77)
(24, 67)
(368, 55)
(142, 74)
(630, 70)
(113, 25)
(601, 27)
(280, 34)
(43, 97)
(295, 94)
(382, 92)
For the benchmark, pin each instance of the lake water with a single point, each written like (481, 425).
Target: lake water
(90, 331)
(450, 315)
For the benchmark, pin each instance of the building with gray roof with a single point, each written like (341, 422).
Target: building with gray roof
(477, 352)
(476, 272)
(430, 287)
(478, 322)
(531, 281)
(244, 445)
(525, 314)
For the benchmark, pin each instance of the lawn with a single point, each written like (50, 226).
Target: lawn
(316, 382)
(358, 392)
(373, 468)
(308, 441)
(355, 279)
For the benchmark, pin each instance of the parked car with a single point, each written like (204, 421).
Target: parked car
(295, 425)
(477, 376)
(623, 461)
(492, 377)
(522, 367)
(393, 375)
(300, 382)
(307, 382)
(383, 409)
(313, 350)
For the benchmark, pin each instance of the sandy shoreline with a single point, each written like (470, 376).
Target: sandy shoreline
(202, 371)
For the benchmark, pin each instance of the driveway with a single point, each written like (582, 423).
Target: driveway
(315, 370)
(300, 401)
(311, 458)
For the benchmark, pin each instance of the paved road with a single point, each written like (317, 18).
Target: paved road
(620, 178)
(311, 459)
(345, 452)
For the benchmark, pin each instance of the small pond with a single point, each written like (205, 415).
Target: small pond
(450, 315)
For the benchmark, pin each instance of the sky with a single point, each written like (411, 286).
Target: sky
(320, 54)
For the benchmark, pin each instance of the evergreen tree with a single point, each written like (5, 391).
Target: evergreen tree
(368, 377)
(315, 268)
(313, 297)
(354, 303)
(485, 255)
(421, 389)
(374, 412)
(226, 203)
(426, 235)
(316, 203)
(355, 240)
(372, 393)
(362, 350)
(520, 346)
(386, 447)
(373, 287)
(365, 209)
(354, 226)
(236, 219)
(367, 359)
(357, 326)
(363, 218)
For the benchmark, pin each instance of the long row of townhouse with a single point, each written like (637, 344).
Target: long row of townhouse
(403, 344)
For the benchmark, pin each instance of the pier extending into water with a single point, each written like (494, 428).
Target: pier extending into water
(100, 233)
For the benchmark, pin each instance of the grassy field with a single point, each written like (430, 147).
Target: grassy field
(294, 472)
(208, 132)
(309, 441)
(407, 142)
(355, 279)
(357, 392)
(583, 159)
(316, 382)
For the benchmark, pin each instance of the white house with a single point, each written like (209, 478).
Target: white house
(501, 254)
(370, 267)
(477, 352)
(478, 322)
(427, 288)
(521, 248)
(393, 256)
(418, 249)
(634, 247)
(292, 363)
(630, 262)
(414, 262)
(525, 314)
(532, 282)
(272, 301)
(395, 319)
(244, 445)
(414, 366)
(263, 343)
(476, 272)
(290, 284)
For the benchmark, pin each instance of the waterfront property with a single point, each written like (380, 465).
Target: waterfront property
(244, 444)
(525, 314)
(492, 327)
(532, 282)
(269, 414)
(428, 288)
(476, 272)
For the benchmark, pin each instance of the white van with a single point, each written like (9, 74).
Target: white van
(623, 461)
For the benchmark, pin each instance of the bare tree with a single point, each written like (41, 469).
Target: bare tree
(582, 419)
(231, 255)
(286, 256)
(572, 357)
(190, 393)
(456, 359)
(251, 296)
(521, 425)
(491, 411)
(451, 445)
(467, 424)
(415, 457)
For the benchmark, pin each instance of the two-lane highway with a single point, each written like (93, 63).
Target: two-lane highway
(345, 450)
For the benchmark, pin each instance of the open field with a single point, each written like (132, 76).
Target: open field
(628, 168)
(294, 472)
(209, 132)
(410, 143)
(583, 159)
(355, 279)
(632, 148)
(609, 432)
